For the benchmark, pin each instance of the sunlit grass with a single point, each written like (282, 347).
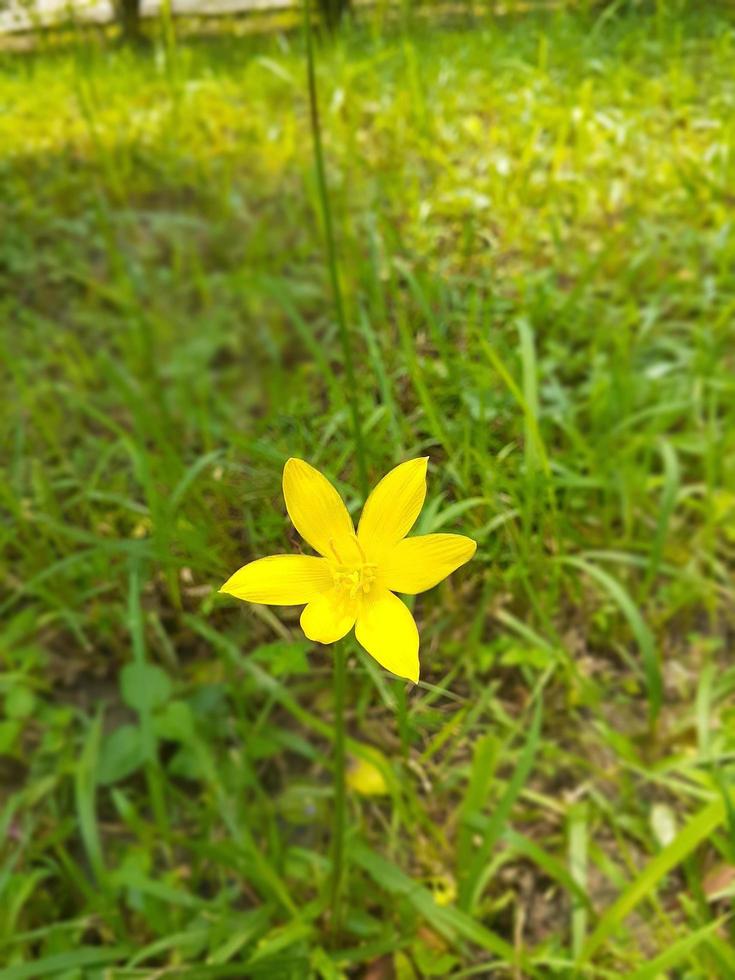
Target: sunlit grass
(534, 221)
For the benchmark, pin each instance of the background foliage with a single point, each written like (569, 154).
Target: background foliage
(535, 223)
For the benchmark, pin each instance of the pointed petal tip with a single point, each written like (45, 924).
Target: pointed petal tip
(470, 545)
(404, 675)
(408, 673)
(316, 509)
(316, 639)
(226, 590)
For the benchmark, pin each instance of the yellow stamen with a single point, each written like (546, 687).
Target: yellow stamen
(354, 580)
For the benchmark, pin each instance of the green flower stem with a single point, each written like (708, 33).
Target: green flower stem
(402, 713)
(339, 816)
(339, 868)
(344, 331)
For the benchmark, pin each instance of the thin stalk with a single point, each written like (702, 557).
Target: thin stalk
(402, 712)
(344, 331)
(338, 823)
(154, 779)
(339, 864)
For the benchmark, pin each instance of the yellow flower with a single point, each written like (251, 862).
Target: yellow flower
(354, 582)
(365, 778)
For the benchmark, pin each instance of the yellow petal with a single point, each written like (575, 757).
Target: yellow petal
(444, 889)
(328, 617)
(364, 777)
(417, 564)
(392, 508)
(316, 509)
(386, 628)
(281, 580)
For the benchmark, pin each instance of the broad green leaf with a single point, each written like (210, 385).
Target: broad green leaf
(122, 752)
(144, 686)
(175, 722)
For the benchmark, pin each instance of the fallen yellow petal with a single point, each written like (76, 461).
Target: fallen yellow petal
(444, 889)
(365, 778)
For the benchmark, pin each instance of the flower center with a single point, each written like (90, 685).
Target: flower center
(353, 574)
(354, 582)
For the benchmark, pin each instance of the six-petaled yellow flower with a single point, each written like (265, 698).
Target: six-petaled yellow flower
(354, 581)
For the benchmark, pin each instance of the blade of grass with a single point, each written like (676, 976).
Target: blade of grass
(672, 481)
(153, 774)
(641, 632)
(73, 960)
(681, 950)
(450, 922)
(86, 802)
(332, 263)
(698, 829)
(577, 849)
(471, 877)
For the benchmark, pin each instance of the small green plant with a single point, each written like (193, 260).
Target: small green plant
(532, 221)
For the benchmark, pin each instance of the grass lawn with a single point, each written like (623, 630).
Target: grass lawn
(535, 224)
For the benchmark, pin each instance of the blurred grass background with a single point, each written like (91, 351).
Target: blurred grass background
(535, 224)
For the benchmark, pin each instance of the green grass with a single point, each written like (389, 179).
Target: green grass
(534, 219)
